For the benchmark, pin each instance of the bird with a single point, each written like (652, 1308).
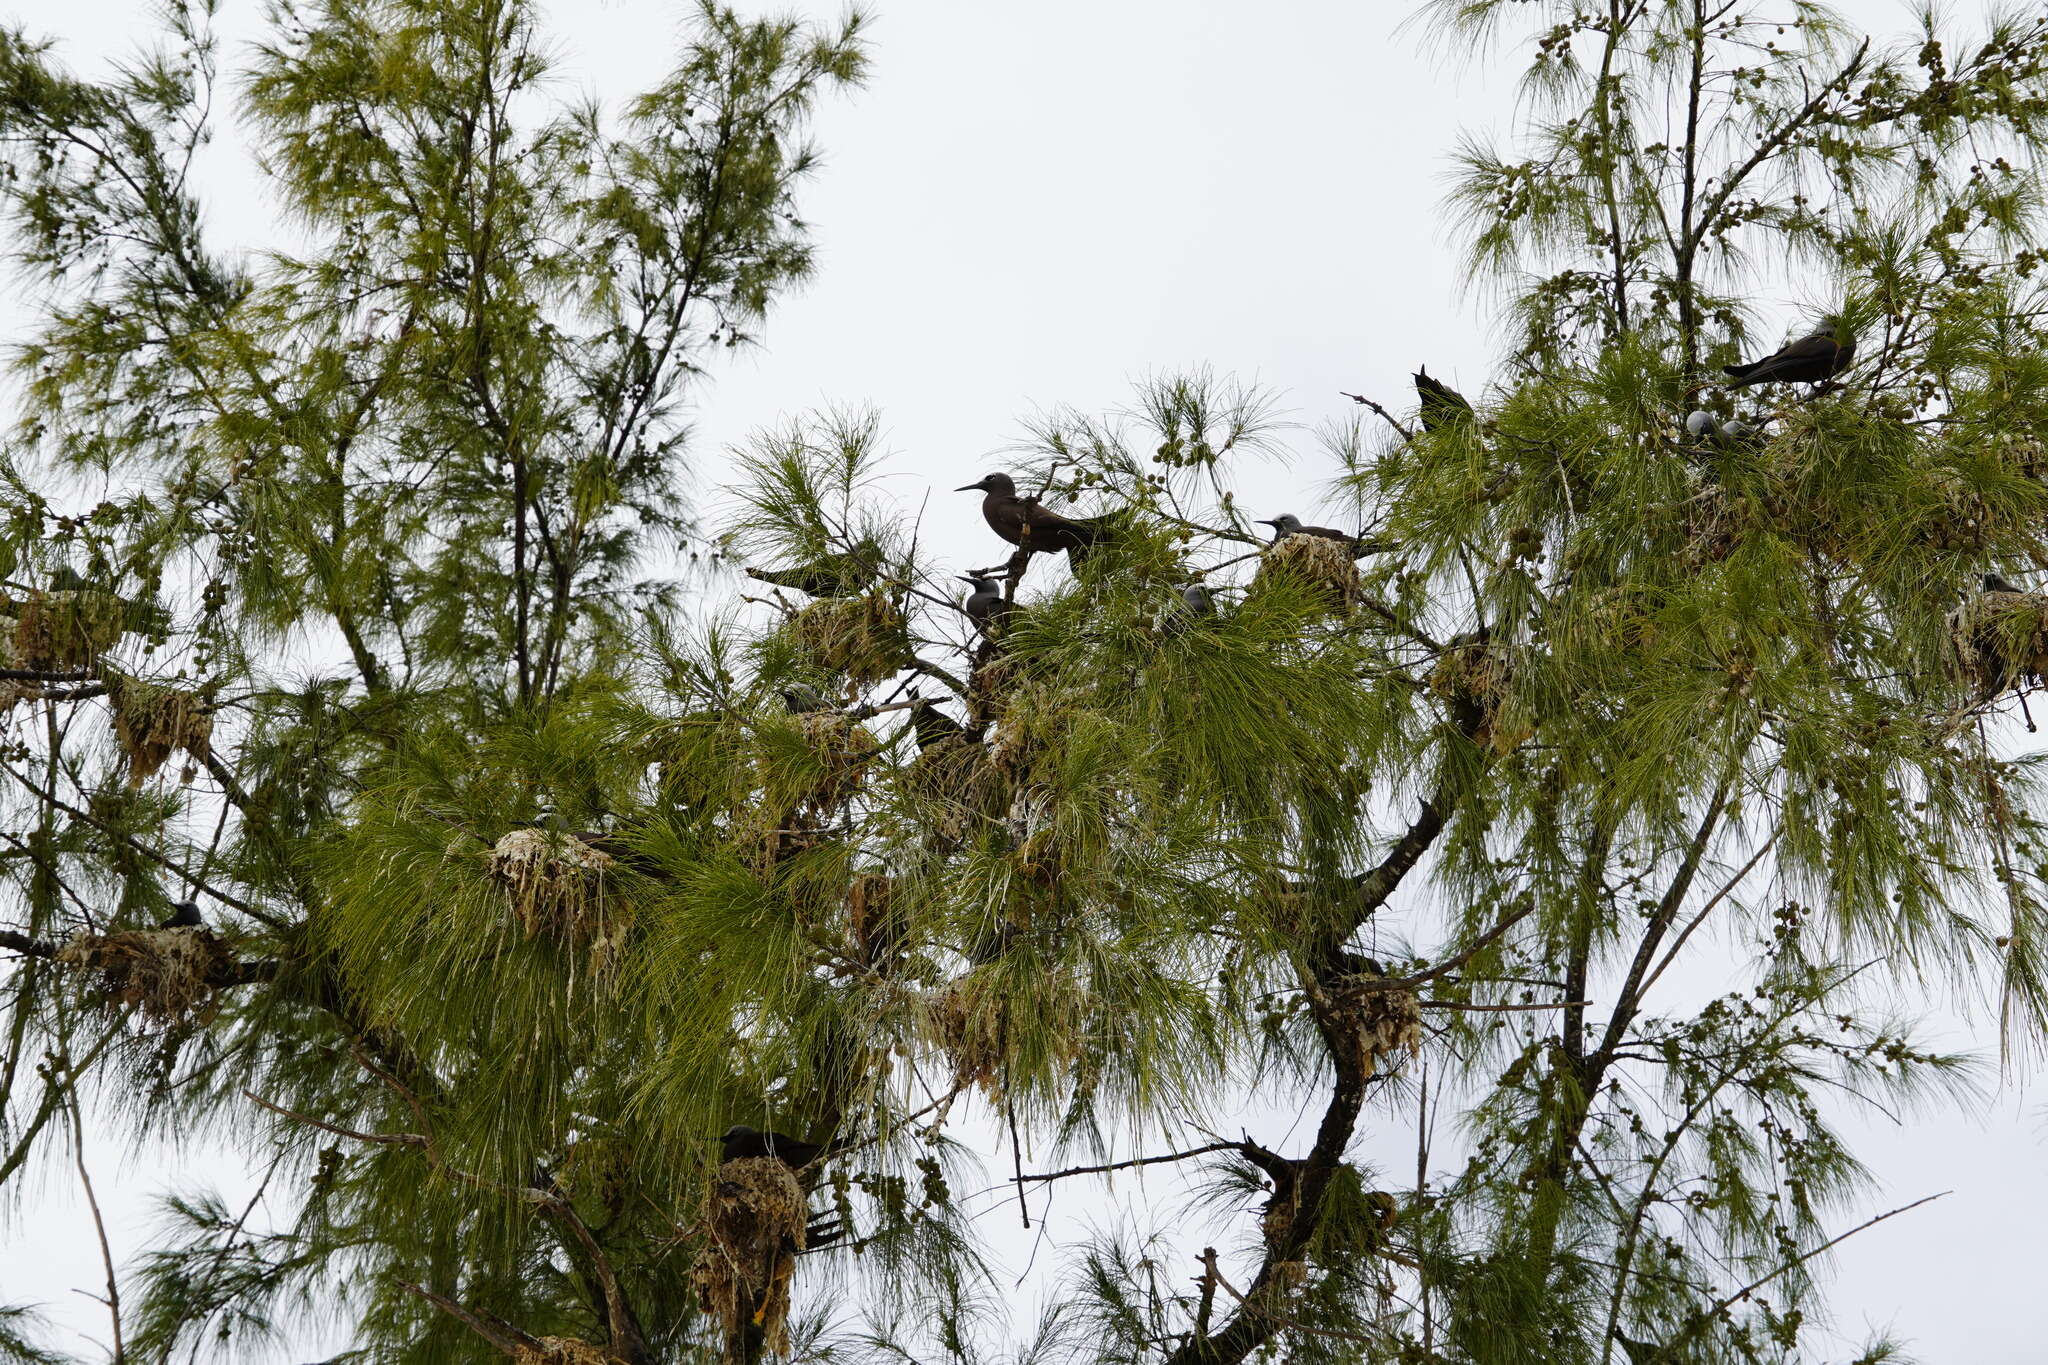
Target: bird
(1805, 361)
(933, 726)
(1024, 522)
(740, 1141)
(1287, 524)
(1993, 583)
(1441, 404)
(802, 697)
(840, 575)
(184, 915)
(1700, 424)
(985, 605)
(1196, 599)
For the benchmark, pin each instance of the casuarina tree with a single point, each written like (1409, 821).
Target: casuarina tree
(523, 877)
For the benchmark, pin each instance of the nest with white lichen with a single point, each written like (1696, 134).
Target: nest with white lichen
(555, 884)
(155, 720)
(865, 638)
(969, 1025)
(64, 630)
(1315, 561)
(562, 1351)
(1999, 640)
(167, 975)
(958, 780)
(1477, 679)
(755, 1214)
(1382, 1020)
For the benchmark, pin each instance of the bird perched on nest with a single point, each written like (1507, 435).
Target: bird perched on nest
(802, 697)
(740, 1141)
(933, 726)
(1993, 583)
(1808, 360)
(184, 915)
(985, 605)
(1442, 405)
(1025, 522)
(1287, 524)
(840, 575)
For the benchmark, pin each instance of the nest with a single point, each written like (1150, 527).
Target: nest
(555, 883)
(970, 1032)
(872, 916)
(1712, 527)
(1999, 640)
(839, 748)
(865, 638)
(65, 630)
(1317, 561)
(562, 1351)
(756, 1217)
(959, 780)
(166, 974)
(1382, 1021)
(153, 721)
(1477, 680)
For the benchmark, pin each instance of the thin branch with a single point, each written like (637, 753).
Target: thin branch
(382, 1139)
(1139, 1161)
(113, 1298)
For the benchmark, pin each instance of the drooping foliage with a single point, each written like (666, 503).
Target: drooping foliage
(558, 874)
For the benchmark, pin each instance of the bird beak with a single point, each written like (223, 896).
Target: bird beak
(970, 488)
(1267, 521)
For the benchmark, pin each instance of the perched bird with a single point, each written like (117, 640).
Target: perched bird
(1700, 424)
(184, 915)
(1993, 583)
(1441, 404)
(1287, 524)
(985, 605)
(1805, 361)
(840, 575)
(933, 726)
(1196, 599)
(741, 1141)
(802, 697)
(1024, 522)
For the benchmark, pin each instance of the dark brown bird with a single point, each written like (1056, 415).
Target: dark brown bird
(1287, 524)
(741, 1141)
(185, 915)
(1805, 361)
(933, 726)
(1993, 583)
(1442, 405)
(842, 575)
(985, 605)
(1024, 522)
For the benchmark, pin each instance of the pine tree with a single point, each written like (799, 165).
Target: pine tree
(550, 875)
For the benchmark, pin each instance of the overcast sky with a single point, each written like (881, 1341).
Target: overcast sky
(1034, 204)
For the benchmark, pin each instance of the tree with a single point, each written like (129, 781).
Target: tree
(560, 877)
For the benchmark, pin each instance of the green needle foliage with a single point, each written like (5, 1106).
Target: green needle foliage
(522, 877)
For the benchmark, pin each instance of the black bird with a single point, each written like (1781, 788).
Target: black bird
(933, 726)
(1287, 524)
(841, 575)
(1993, 583)
(1024, 522)
(741, 1141)
(802, 697)
(1441, 404)
(985, 605)
(185, 915)
(1805, 361)
(1196, 599)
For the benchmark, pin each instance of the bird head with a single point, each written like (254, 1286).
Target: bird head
(801, 697)
(979, 581)
(1286, 524)
(991, 483)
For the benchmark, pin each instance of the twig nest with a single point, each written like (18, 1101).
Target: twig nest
(1382, 1020)
(1316, 561)
(755, 1213)
(154, 720)
(873, 919)
(562, 1351)
(969, 1023)
(58, 631)
(959, 781)
(831, 768)
(555, 883)
(865, 638)
(1477, 679)
(1712, 526)
(166, 974)
(1999, 640)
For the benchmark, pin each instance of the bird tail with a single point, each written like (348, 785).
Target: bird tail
(1741, 373)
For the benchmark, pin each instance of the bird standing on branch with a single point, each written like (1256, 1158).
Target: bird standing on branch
(840, 575)
(1024, 522)
(1442, 405)
(933, 726)
(184, 915)
(1993, 583)
(1808, 360)
(985, 605)
(740, 1141)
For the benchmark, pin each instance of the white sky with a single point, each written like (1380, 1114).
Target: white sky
(1034, 204)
